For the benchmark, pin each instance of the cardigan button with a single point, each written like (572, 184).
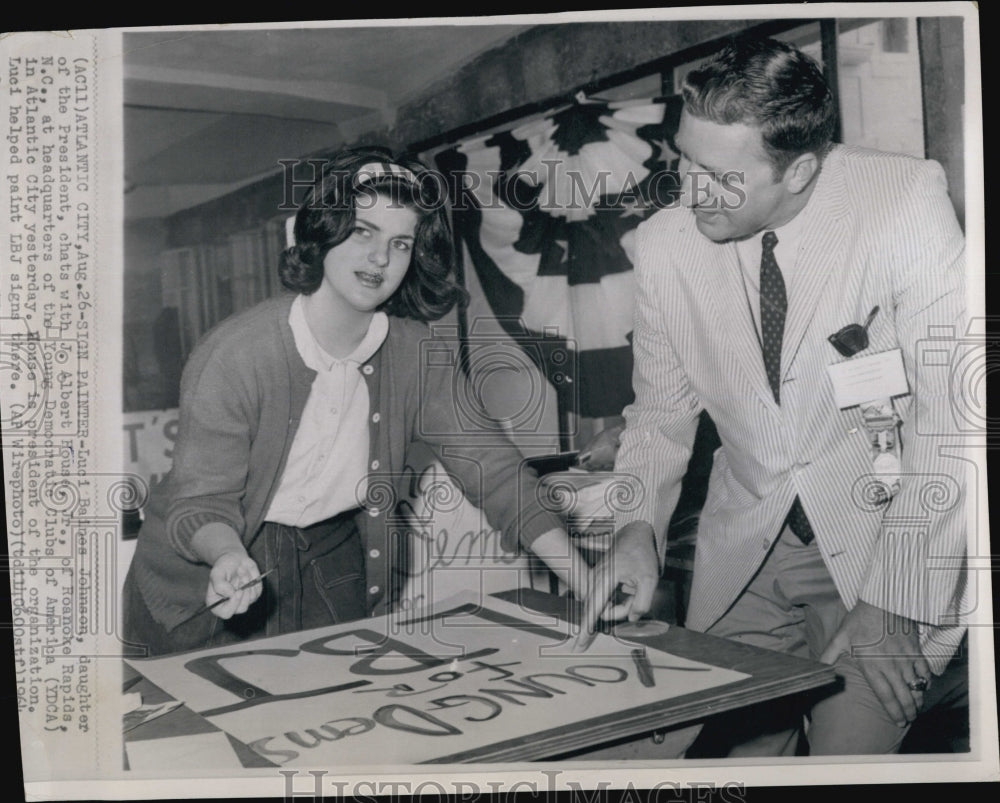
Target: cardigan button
(374, 553)
(374, 590)
(368, 370)
(375, 465)
(376, 417)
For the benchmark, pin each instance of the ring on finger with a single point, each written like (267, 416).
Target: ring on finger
(919, 683)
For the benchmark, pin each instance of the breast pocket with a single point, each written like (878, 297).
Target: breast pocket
(881, 331)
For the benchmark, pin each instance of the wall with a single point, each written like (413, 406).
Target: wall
(549, 63)
(943, 77)
(144, 240)
(535, 70)
(880, 86)
(545, 63)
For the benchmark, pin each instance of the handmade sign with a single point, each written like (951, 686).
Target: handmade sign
(453, 686)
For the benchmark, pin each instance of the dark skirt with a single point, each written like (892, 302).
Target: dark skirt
(318, 580)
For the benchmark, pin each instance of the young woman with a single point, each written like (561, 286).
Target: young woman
(295, 420)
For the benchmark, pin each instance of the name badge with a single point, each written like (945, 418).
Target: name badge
(862, 379)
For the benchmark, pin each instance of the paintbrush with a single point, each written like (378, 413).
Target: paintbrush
(219, 602)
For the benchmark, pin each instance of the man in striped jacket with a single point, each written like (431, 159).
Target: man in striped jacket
(807, 544)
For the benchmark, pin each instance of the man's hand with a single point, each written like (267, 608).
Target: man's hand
(230, 572)
(631, 562)
(599, 454)
(887, 648)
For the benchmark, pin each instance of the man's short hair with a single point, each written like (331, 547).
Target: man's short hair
(769, 85)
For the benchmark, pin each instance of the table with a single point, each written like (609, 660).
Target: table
(772, 675)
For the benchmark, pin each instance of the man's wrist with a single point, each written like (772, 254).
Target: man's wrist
(638, 536)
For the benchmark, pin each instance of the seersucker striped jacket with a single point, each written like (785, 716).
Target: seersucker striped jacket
(879, 230)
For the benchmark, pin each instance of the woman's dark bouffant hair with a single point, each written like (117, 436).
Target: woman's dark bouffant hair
(327, 216)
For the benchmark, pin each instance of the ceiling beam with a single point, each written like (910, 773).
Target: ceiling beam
(195, 90)
(371, 123)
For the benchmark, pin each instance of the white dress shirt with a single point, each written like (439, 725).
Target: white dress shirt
(326, 472)
(785, 254)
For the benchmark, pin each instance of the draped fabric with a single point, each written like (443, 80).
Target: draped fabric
(547, 213)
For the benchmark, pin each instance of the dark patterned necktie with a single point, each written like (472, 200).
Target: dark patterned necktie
(773, 307)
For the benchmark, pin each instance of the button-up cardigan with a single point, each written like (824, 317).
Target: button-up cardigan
(242, 395)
